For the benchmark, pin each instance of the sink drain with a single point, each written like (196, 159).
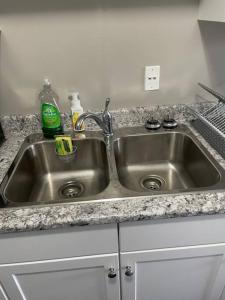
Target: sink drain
(72, 189)
(153, 183)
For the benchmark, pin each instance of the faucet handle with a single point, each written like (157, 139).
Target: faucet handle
(107, 118)
(106, 112)
(107, 101)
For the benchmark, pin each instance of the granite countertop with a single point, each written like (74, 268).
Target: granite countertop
(128, 209)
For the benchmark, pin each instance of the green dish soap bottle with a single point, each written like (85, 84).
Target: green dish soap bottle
(50, 113)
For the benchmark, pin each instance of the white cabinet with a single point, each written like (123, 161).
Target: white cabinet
(173, 259)
(169, 265)
(81, 278)
(212, 10)
(32, 275)
(173, 274)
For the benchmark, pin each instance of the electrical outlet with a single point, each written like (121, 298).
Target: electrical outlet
(152, 74)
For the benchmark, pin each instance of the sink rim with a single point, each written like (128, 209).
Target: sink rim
(115, 190)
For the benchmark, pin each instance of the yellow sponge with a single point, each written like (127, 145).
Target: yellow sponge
(63, 144)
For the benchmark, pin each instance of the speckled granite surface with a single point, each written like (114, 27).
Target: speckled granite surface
(25, 125)
(128, 209)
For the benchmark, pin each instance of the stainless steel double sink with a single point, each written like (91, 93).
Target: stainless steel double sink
(133, 163)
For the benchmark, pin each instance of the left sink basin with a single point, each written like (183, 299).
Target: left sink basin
(38, 176)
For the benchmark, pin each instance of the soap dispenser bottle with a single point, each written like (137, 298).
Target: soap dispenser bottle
(76, 108)
(50, 113)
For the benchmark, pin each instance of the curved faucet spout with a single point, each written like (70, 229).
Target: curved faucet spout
(92, 116)
(104, 120)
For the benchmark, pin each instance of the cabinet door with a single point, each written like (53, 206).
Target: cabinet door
(80, 278)
(195, 272)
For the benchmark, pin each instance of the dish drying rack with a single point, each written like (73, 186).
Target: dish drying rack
(211, 123)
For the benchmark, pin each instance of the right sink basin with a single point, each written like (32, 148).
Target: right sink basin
(164, 161)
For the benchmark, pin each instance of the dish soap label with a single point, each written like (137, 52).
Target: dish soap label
(50, 116)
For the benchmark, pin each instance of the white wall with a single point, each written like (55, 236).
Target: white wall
(99, 48)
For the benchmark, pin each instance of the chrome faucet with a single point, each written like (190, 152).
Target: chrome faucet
(104, 120)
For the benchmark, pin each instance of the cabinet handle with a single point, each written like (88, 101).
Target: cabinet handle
(129, 271)
(112, 273)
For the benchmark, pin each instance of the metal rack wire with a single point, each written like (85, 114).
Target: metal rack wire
(211, 123)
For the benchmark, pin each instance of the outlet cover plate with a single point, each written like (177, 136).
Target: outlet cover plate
(152, 75)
